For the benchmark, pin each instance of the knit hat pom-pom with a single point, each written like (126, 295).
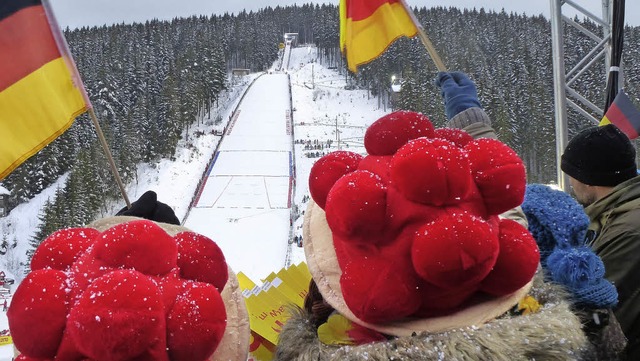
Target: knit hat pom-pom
(575, 267)
(582, 272)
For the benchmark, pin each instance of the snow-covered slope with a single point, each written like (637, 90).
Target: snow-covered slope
(326, 117)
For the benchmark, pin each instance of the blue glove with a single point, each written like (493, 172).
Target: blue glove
(458, 91)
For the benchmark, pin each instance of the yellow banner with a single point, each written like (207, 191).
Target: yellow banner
(5, 340)
(267, 304)
(260, 349)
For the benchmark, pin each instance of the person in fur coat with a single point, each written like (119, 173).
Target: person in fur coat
(411, 260)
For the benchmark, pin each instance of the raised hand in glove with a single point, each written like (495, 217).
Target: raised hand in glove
(148, 207)
(458, 91)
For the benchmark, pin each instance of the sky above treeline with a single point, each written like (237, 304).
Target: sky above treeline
(78, 13)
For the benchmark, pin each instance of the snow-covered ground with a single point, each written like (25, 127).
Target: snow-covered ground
(247, 190)
(247, 207)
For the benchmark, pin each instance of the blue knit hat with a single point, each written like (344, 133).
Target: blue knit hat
(559, 224)
(582, 272)
(555, 219)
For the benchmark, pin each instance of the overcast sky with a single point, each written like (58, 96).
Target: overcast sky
(77, 13)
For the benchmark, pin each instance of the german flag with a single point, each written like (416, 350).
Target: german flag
(40, 90)
(624, 115)
(369, 27)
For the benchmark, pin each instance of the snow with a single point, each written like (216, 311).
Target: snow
(247, 206)
(247, 190)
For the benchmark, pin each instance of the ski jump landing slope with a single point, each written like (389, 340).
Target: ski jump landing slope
(245, 203)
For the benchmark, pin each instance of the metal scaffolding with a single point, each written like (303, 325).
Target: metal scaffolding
(564, 94)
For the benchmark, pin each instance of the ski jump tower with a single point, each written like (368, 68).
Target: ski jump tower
(564, 94)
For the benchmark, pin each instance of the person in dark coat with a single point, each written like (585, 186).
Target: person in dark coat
(601, 164)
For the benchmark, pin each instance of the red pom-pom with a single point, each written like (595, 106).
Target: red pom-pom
(387, 134)
(119, 316)
(196, 323)
(457, 250)
(68, 349)
(327, 170)
(499, 174)
(62, 248)
(118, 294)
(38, 313)
(141, 245)
(200, 259)
(356, 206)
(456, 136)
(23, 357)
(170, 287)
(84, 271)
(517, 262)
(379, 290)
(438, 301)
(431, 171)
(378, 165)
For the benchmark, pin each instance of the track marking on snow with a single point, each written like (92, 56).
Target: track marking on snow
(266, 191)
(223, 189)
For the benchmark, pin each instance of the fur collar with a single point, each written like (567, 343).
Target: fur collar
(553, 333)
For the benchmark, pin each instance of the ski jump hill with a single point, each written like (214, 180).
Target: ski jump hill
(247, 194)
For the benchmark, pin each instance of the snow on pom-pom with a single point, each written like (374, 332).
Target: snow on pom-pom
(121, 315)
(431, 171)
(516, 263)
(456, 250)
(115, 300)
(196, 323)
(389, 133)
(141, 245)
(378, 165)
(200, 259)
(38, 313)
(62, 248)
(499, 174)
(377, 290)
(327, 170)
(356, 206)
(456, 136)
(425, 199)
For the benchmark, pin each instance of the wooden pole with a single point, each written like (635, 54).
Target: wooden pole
(107, 152)
(425, 39)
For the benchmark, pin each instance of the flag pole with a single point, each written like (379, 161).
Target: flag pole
(63, 47)
(107, 152)
(425, 39)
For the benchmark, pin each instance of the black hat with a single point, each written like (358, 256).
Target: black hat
(600, 156)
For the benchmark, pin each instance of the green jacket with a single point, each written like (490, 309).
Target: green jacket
(614, 234)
